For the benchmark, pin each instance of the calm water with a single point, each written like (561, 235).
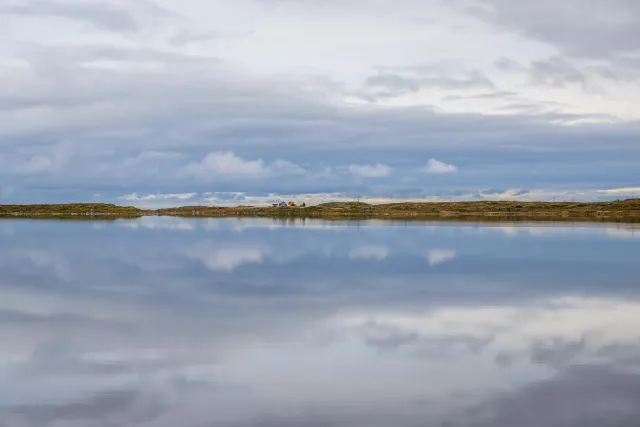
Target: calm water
(165, 322)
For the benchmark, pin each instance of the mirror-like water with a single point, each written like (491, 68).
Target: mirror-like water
(170, 322)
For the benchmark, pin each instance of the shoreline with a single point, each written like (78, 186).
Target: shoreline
(617, 211)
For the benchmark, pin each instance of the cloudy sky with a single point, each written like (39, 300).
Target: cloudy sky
(213, 101)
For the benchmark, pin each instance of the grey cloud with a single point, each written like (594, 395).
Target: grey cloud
(99, 108)
(167, 101)
(556, 72)
(514, 103)
(247, 109)
(12, 317)
(587, 396)
(184, 37)
(508, 64)
(558, 353)
(584, 28)
(386, 84)
(495, 94)
(100, 14)
(624, 68)
(114, 408)
(523, 107)
(560, 72)
(390, 338)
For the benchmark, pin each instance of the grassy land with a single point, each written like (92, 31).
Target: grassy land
(623, 210)
(628, 210)
(72, 210)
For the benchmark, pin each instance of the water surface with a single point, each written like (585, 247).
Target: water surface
(165, 322)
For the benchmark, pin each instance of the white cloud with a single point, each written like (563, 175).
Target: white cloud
(369, 252)
(229, 258)
(370, 171)
(284, 167)
(151, 197)
(559, 195)
(440, 256)
(437, 167)
(159, 223)
(226, 163)
(603, 322)
(622, 191)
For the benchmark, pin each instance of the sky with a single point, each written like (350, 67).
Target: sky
(169, 102)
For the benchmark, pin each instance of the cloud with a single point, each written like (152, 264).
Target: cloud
(229, 258)
(226, 163)
(440, 256)
(89, 409)
(157, 200)
(369, 252)
(150, 158)
(159, 223)
(603, 29)
(370, 171)
(102, 15)
(185, 37)
(42, 259)
(621, 191)
(168, 97)
(38, 164)
(150, 197)
(577, 397)
(45, 163)
(437, 167)
(197, 340)
(390, 85)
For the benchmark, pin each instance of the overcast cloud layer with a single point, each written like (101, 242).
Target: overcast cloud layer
(172, 102)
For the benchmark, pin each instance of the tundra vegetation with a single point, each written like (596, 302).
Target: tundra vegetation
(620, 210)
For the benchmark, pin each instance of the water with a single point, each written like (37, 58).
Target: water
(164, 322)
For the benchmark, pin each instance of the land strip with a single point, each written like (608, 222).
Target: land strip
(616, 211)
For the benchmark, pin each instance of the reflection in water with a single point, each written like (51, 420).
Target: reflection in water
(163, 322)
(440, 256)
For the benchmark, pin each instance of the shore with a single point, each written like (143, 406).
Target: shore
(617, 211)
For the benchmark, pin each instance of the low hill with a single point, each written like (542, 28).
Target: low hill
(71, 209)
(621, 210)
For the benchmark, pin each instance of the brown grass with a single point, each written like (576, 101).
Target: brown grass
(622, 210)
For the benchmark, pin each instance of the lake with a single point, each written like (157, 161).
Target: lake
(166, 322)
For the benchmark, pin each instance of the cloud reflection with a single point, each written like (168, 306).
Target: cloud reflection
(440, 256)
(296, 326)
